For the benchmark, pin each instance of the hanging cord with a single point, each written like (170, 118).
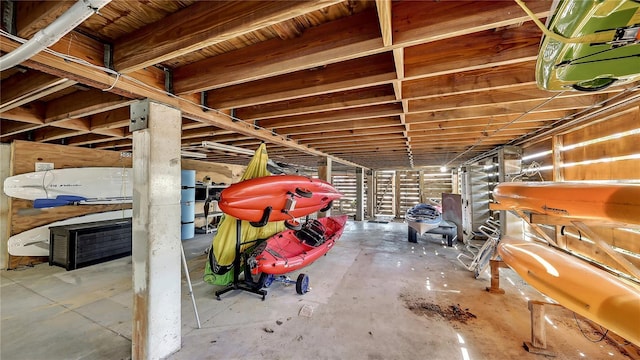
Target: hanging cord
(599, 37)
(603, 331)
(45, 186)
(530, 171)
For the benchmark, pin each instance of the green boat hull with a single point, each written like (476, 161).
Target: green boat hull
(587, 65)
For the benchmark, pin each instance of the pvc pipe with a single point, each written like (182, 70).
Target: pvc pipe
(48, 36)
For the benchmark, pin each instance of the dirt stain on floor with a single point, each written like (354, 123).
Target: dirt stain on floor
(422, 307)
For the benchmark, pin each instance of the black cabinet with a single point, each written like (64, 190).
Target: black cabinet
(80, 245)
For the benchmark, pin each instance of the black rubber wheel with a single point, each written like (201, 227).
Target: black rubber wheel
(292, 225)
(304, 193)
(265, 280)
(302, 284)
(329, 205)
(595, 84)
(412, 235)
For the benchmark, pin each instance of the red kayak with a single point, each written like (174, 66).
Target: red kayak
(277, 198)
(294, 249)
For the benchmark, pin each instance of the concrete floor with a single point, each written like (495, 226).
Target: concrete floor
(359, 300)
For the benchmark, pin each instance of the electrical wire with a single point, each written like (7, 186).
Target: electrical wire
(603, 331)
(119, 75)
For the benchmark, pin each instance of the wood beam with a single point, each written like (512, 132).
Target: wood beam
(501, 77)
(481, 50)
(48, 63)
(90, 139)
(473, 113)
(316, 143)
(367, 112)
(524, 106)
(32, 113)
(470, 137)
(72, 124)
(352, 74)
(485, 129)
(380, 94)
(343, 39)
(52, 134)
(341, 134)
(457, 141)
(361, 146)
(203, 24)
(413, 21)
(426, 124)
(31, 16)
(23, 88)
(111, 119)
(344, 125)
(503, 96)
(84, 103)
(384, 18)
(9, 129)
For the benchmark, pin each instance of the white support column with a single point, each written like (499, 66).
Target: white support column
(324, 173)
(359, 194)
(156, 230)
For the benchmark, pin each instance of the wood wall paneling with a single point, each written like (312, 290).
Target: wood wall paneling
(25, 154)
(595, 159)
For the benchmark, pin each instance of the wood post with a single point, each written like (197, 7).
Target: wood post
(324, 173)
(495, 276)
(538, 343)
(359, 194)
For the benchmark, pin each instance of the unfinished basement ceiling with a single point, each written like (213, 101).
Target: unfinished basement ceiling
(376, 84)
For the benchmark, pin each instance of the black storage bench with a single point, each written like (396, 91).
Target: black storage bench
(80, 245)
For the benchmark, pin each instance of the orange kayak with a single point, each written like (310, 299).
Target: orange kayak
(580, 287)
(291, 250)
(277, 198)
(615, 203)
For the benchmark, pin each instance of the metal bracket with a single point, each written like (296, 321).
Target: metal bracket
(203, 101)
(168, 80)
(139, 115)
(233, 115)
(290, 205)
(9, 16)
(108, 56)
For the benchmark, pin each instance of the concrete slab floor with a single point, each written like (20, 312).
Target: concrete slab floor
(374, 296)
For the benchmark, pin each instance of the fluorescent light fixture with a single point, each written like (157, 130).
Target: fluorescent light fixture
(217, 146)
(192, 154)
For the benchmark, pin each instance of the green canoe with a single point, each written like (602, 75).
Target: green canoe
(590, 45)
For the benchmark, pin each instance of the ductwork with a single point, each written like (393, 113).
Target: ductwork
(48, 36)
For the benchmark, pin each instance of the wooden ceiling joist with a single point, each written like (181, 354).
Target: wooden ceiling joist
(318, 46)
(200, 25)
(375, 95)
(378, 84)
(329, 117)
(352, 74)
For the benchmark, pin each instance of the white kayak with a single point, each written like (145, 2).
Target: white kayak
(58, 187)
